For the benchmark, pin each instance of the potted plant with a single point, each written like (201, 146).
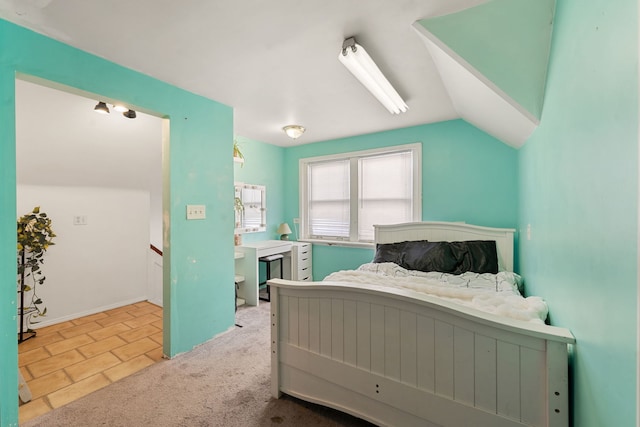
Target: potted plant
(238, 207)
(237, 152)
(35, 235)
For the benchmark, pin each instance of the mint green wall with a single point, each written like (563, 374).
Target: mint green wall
(505, 40)
(327, 259)
(467, 175)
(579, 192)
(198, 254)
(9, 353)
(264, 165)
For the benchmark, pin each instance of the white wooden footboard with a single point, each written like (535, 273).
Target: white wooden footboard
(400, 358)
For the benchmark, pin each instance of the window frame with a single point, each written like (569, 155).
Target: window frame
(353, 157)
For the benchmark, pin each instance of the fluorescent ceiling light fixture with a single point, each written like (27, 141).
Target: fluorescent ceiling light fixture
(357, 60)
(293, 131)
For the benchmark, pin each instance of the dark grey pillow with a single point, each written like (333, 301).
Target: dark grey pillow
(420, 255)
(390, 252)
(478, 256)
(429, 256)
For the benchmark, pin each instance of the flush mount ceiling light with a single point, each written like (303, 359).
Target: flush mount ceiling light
(101, 108)
(130, 114)
(293, 131)
(357, 60)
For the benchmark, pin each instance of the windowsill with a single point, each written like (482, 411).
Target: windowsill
(341, 243)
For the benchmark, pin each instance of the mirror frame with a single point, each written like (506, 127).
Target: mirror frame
(240, 226)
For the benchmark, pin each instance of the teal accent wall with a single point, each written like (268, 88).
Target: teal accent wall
(8, 307)
(575, 181)
(264, 165)
(327, 259)
(579, 191)
(505, 40)
(467, 175)
(198, 255)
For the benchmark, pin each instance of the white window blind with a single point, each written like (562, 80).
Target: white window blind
(386, 191)
(329, 199)
(343, 196)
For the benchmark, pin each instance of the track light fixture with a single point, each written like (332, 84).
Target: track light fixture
(101, 108)
(357, 60)
(293, 131)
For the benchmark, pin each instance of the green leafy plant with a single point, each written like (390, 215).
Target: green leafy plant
(237, 152)
(35, 236)
(238, 207)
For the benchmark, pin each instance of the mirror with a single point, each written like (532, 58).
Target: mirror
(250, 208)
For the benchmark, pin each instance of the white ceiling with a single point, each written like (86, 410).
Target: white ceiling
(61, 141)
(275, 62)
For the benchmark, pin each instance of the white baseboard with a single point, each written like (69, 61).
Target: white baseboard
(156, 302)
(44, 323)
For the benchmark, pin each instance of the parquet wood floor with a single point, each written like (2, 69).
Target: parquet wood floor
(66, 361)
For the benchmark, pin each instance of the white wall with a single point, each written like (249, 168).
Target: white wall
(155, 216)
(96, 266)
(154, 277)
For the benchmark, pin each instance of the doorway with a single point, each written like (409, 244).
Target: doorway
(105, 171)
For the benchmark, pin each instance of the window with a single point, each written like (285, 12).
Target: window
(343, 196)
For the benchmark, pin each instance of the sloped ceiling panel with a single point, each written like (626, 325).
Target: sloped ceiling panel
(479, 101)
(493, 59)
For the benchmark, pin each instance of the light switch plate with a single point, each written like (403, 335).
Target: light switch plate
(80, 220)
(196, 212)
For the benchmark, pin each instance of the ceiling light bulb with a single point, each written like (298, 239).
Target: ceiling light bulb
(294, 131)
(120, 108)
(101, 108)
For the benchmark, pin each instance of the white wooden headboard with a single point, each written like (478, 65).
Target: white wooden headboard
(449, 232)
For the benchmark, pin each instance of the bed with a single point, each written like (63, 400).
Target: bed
(399, 357)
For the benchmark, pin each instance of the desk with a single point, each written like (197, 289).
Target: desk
(247, 267)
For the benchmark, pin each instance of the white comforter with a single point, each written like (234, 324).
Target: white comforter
(491, 293)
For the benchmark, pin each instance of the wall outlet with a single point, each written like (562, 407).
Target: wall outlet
(196, 212)
(80, 220)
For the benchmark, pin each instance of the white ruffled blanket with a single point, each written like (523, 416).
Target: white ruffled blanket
(492, 293)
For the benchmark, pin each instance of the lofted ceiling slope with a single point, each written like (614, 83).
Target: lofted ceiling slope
(276, 62)
(493, 60)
